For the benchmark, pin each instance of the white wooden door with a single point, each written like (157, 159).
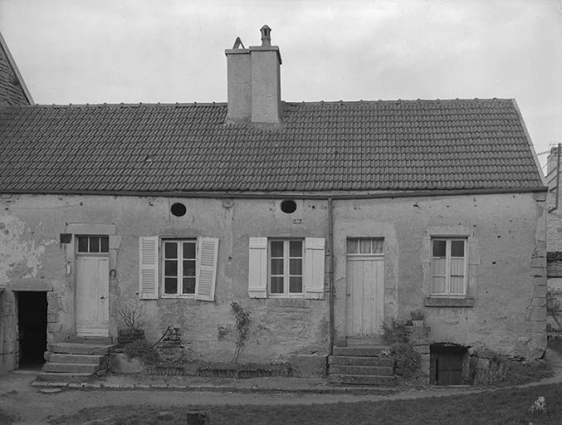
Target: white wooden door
(92, 295)
(365, 295)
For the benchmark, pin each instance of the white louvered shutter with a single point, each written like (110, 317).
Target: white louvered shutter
(207, 250)
(314, 268)
(257, 273)
(148, 267)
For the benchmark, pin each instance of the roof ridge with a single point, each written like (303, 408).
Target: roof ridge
(378, 101)
(128, 105)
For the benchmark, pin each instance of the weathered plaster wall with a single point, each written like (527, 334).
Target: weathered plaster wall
(506, 265)
(32, 253)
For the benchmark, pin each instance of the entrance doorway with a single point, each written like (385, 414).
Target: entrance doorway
(32, 325)
(448, 364)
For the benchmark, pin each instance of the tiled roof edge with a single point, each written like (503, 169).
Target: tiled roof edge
(530, 142)
(16, 70)
(283, 195)
(222, 104)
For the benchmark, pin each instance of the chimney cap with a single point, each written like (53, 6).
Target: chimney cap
(265, 36)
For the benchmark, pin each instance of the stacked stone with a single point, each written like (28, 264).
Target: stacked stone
(170, 348)
(419, 337)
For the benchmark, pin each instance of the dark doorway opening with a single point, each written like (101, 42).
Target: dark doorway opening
(32, 324)
(447, 364)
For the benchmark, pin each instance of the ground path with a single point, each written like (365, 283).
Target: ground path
(36, 407)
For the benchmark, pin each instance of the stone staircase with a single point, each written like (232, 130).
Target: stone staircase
(76, 360)
(359, 362)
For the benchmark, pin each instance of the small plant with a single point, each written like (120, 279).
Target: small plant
(496, 372)
(241, 332)
(394, 330)
(539, 406)
(417, 315)
(142, 350)
(554, 307)
(131, 316)
(408, 360)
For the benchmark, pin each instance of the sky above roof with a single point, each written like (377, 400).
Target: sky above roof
(96, 51)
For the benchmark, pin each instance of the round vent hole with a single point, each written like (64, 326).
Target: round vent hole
(288, 207)
(178, 209)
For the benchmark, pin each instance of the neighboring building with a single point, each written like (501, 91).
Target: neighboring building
(322, 219)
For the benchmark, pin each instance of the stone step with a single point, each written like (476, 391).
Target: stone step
(93, 340)
(70, 368)
(76, 358)
(362, 380)
(361, 370)
(365, 342)
(76, 348)
(361, 351)
(361, 361)
(65, 377)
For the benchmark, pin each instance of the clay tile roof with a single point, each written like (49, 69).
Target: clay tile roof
(423, 145)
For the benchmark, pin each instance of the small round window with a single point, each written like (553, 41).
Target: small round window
(178, 209)
(288, 207)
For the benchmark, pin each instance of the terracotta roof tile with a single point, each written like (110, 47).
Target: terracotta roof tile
(344, 146)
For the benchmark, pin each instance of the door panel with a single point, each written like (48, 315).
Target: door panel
(365, 295)
(92, 296)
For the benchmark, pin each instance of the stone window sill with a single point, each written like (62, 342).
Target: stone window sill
(449, 302)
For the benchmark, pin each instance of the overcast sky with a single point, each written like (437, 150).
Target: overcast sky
(96, 51)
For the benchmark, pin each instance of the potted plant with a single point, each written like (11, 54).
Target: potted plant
(417, 317)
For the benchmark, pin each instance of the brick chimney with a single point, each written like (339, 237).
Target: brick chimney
(254, 82)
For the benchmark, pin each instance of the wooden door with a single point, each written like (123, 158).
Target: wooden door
(365, 294)
(92, 295)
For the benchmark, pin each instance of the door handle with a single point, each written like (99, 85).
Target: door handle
(102, 298)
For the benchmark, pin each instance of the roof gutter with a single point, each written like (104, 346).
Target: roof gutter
(280, 195)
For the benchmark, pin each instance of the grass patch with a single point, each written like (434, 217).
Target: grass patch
(503, 406)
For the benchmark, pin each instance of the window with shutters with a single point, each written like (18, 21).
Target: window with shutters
(179, 261)
(171, 268)
(286, 268)
(449, 267)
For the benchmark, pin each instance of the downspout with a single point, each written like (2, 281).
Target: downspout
(557, 180)
(331, 273)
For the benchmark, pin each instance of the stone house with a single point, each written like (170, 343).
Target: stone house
(321, 218)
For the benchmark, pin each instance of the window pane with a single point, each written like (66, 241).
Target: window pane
(189, 268)
(365, 246)
(457, 248)
(171, 250)
(295, 267)
(277, 285)
(82, 244)
(94, 244)
(277, 248)
(295, 248)
(170, 285)
(439, 248)
(170, 268)
(377, 245)
(104, 244)
(352, 246)
(295, 285)
(457, 266)
(189, 285)
(277, 266)
(439, 266)
(457, 285)
(189, 250)
(439, 285)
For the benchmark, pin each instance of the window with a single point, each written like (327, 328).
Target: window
(179, 265)
(364, 246)
(286, 268)
(448, 267)
(177, 268)
(93, 244)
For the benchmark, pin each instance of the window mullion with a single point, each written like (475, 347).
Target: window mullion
(180, 267)
(448, 266)
(286, 260)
